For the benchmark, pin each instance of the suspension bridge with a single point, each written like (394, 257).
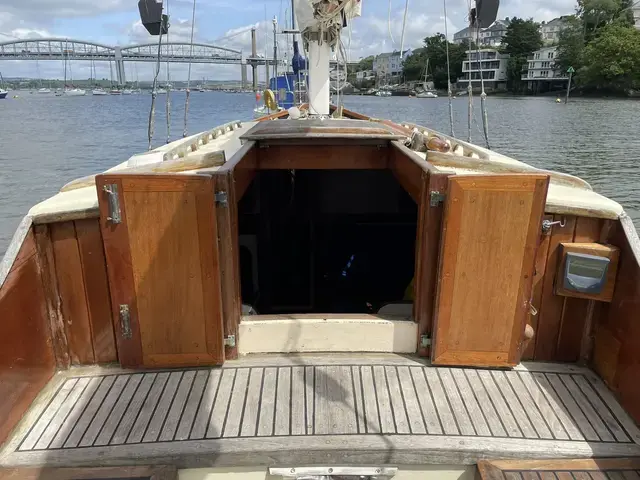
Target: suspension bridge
(173, 52)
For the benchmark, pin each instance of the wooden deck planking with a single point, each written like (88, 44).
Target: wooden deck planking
(162, 408)
(129, 418)
(152, 408)
(191, 407)
(486, 405)
(236, 404)
(148, 408)
(177, 406)
(298, 408)
(119, 410)
(228, 399)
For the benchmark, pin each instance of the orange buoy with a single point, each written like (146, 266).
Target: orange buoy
(258, 96)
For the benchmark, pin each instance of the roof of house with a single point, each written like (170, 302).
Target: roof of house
(390, 54)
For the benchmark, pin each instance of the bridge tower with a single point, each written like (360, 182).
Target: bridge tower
(122, 77)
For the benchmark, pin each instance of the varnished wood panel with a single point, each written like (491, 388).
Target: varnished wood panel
(27, 360)
(71, 288)
(94, 269)
(490, 235)
(245, 171)
(538, 283)
(617, 343)
(322, 157)
(551, 305)
(570, 469)
(46, 260)
(427, 251)
(100, 473)
(407, 171)
(575, 322)
(171, 248)
(115, 238)
(227, 223)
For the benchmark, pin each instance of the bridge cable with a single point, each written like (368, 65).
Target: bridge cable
(154, 92)
(483, 95)
(186, 101)
(168, 86)
(446, 38)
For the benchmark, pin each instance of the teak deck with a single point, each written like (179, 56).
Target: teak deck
(295, 410)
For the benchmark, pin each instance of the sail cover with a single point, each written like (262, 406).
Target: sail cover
(322, 14)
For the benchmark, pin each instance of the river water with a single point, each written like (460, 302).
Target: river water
(46, 141)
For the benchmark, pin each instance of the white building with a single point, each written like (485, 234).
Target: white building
(365, 75)
(636, 16)
(540, 73)
(464, 35)
(490, 36)
(389, 65)
(493, 66)
(550, 31)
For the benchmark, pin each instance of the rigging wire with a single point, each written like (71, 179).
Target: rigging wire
(483, 95)
(449, 94)
(154, 93)
(469, 86)
(168, 86)
(404, 24)
(389, 25)
(188, 93)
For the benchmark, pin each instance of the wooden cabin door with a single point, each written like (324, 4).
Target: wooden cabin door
(490, 231)
(160, 239)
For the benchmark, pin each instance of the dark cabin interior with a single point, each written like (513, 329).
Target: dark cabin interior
(325, 241)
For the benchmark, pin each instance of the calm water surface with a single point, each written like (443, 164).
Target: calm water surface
(46, 141)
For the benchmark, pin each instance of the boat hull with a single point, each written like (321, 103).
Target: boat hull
(3, 94)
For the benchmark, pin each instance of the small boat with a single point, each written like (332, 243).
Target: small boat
(262, 110)
(98, 92)
(427, 94)
(3, 91)
(127, 91)
(115, 91)
(44, 90)
(74, 92)
(383, 93)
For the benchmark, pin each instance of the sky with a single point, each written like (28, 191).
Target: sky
(227, 23)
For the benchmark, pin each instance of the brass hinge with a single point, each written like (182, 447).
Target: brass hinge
(230, 341)
(436, 198)
(222, 199)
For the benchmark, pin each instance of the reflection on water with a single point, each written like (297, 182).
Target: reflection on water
(47, 140)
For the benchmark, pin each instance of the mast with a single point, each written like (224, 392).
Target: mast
(321, 34)
(275, 56)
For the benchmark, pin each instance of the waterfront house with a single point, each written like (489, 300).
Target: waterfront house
(491, 63)
(541, 73)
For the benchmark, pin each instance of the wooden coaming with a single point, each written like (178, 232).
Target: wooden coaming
(617, 327)
(27, 359)
(568, 469)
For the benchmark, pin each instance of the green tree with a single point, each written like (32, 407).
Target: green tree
(613, 60)
(521, 39)
(435, 51)
(570, 51)
(596, 14)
